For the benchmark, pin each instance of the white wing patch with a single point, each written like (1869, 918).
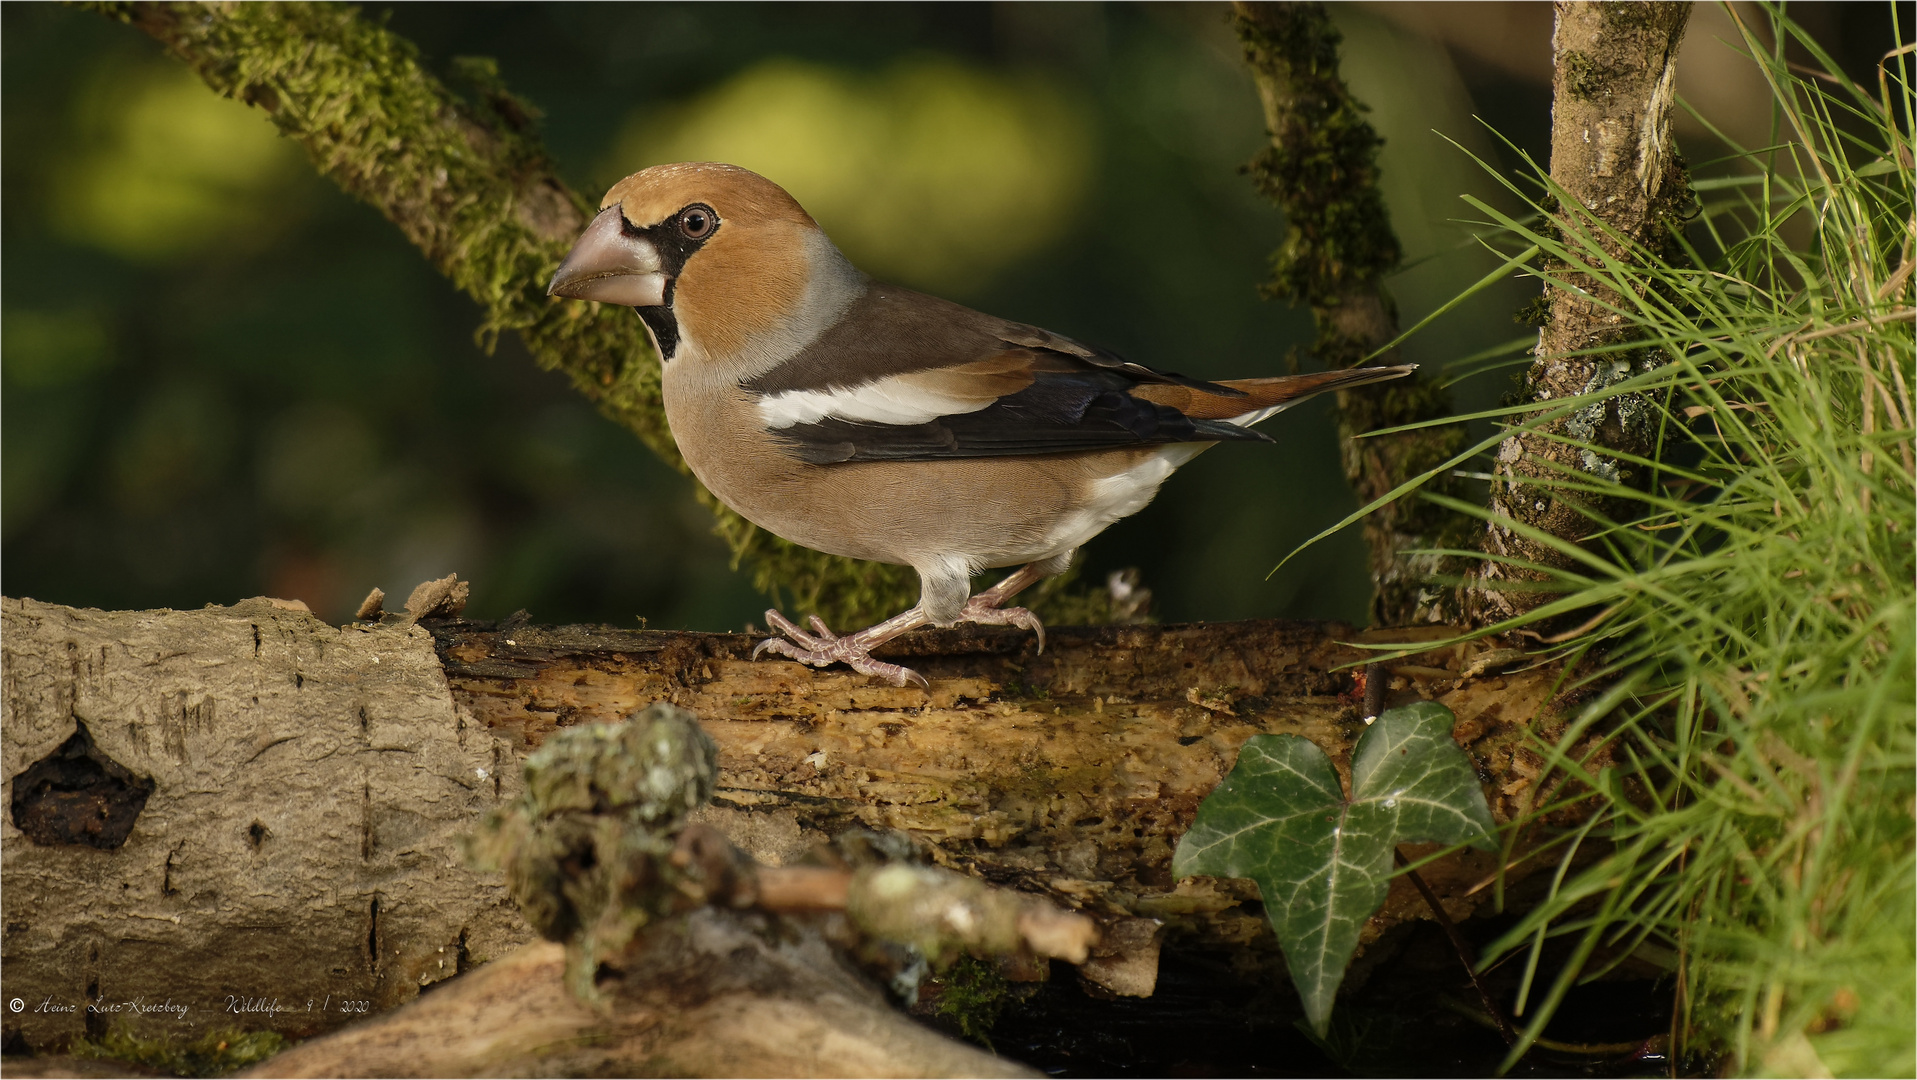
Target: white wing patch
(1259, 416)
(896, 400)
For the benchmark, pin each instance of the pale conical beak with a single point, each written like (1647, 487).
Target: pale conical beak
(611, 267)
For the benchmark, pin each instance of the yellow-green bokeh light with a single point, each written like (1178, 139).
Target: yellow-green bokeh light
(168, 168)
(931, 173)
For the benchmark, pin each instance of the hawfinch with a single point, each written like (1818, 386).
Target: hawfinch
(870, 421)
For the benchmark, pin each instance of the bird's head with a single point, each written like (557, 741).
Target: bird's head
(710, 254)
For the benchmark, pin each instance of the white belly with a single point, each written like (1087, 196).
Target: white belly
(1110, 498)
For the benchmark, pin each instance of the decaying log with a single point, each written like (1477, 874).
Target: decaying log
(1070, 772)
(299, 851)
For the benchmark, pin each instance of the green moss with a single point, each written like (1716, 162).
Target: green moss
(1066, 601)
(846, 593)
(1322, 165)
(1535, 312)
(1013, 688)
(1583, 78)
(212, 1053)
(972, 996)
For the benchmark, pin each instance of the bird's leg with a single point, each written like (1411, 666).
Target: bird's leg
(824, 647)
(984, 608)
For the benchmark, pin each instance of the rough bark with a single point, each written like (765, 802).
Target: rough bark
(305, 773)
(1612, 154)
(297, 863)
(1321, 169)
(460, 170)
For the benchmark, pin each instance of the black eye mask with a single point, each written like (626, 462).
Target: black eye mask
(674, 248)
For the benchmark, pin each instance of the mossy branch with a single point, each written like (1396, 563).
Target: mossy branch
(1321, 169)
(464, 176)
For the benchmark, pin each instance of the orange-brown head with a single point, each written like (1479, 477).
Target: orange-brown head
(711, 255)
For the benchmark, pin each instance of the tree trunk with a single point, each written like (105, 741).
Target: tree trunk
(1611, 151)
(297, 855)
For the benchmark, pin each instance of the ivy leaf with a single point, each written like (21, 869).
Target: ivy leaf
(1323, 862)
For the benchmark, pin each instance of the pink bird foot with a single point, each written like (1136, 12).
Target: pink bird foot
(980, 609)
(823, 648)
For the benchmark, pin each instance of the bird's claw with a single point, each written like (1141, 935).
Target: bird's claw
(825, 648)
(976, 612)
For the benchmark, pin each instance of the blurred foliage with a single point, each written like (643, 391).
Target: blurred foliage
(267, 390)
(213, 1053)
(931, 173)
(165, 169)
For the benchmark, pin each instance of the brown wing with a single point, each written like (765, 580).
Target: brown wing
(890, 332)
(904, 377)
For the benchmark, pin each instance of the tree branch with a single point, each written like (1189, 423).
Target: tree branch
(1321, 169)
(465, 178)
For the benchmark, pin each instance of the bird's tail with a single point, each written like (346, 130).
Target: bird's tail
(1264, 398)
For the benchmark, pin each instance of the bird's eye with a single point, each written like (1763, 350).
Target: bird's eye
(697, 222)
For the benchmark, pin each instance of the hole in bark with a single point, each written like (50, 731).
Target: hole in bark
(372, 936)
(166, 880)
(462, 958)
(78, 795)
(1187, 740)
(256, 834)
(366, 824)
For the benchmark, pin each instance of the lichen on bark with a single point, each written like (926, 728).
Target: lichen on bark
(1321, 169)
(1612, 153)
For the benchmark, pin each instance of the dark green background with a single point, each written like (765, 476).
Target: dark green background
(296, 405)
